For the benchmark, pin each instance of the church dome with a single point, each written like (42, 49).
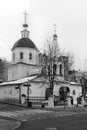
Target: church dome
(55, 36)
(24, 42)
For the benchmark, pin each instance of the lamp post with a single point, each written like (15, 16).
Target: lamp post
(27, 84)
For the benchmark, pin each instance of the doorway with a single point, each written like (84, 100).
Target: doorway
(63, 92)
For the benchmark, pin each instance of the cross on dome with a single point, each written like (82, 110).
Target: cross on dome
(54, 28)
(25, 32)
(25, 16)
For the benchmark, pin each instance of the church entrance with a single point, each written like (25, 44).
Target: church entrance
(64, 92)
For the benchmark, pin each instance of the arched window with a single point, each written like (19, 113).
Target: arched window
(74, 92)
(21, 55)
(60, 69)
(30, 56)
(54, 69)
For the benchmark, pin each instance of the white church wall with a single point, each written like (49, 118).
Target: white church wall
(20, 70)
(58, 86)
(75, 90)
(9, 92)
(26, 52)
(10, 73)
(38, 90)
(35, 90)
(13, 72)
(26, 70)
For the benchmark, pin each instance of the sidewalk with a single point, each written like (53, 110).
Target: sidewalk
(6, 124)
(66, 108)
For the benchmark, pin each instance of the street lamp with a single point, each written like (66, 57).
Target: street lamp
(27, 84)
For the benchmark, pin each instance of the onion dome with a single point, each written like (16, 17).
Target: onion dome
(25, 25)
(54, 36)
(25, 42)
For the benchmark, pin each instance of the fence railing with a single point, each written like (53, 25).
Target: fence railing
(9, 100)
(36, 100)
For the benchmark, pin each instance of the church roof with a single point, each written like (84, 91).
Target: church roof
(19, 81)
(25, 42)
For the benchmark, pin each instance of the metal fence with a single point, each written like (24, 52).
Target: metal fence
(9, 100)
(36, 100)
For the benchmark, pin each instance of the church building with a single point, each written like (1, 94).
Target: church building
(26, 67)
(24, 56)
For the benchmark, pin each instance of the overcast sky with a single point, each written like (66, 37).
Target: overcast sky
(70, 16)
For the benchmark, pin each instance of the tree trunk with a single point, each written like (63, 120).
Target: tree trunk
(51, 86)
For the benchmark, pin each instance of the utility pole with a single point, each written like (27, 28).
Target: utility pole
(27, 84)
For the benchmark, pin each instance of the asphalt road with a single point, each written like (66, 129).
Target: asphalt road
(48, 121)
(75, 122)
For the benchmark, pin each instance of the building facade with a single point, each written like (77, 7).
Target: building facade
(27, 61)
(24, 57)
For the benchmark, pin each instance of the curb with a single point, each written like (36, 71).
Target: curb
(18, 125)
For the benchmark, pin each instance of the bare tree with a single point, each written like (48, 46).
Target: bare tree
(50, 58)
(3, 69)
(49, 63)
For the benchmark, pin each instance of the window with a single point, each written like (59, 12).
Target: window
(60, 69)
(21, 55)
(74, 92)
(30, 56)
(13, 56)
(54, 69)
